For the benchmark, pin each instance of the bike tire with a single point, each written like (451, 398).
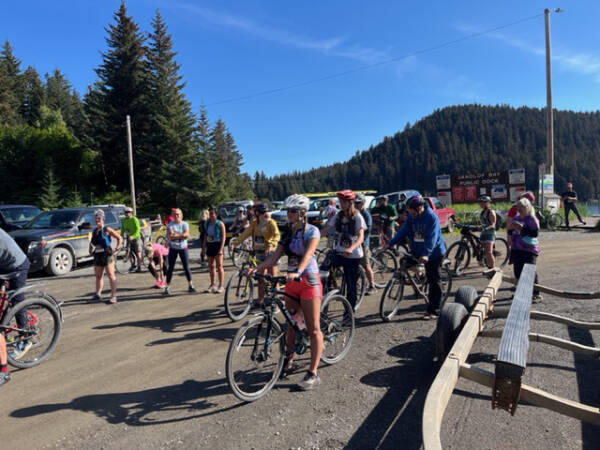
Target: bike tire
(248, 349)
(554, 221)
(361, 287)
(392, 295)
(122, 261)
(459, 255)
(238, 257)
(384, 264)
(239, 295)
(501, 252)
(162, 240)
(44, 328)
(337, 327)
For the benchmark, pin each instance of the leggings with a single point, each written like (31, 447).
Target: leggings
(185, 260)
(351, 274)
(571, 207)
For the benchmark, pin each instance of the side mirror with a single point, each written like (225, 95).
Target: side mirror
(85, 226)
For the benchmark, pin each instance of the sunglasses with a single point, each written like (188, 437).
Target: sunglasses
(293, 210)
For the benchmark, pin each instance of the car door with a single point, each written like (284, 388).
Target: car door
(442, 211)
(83, 234)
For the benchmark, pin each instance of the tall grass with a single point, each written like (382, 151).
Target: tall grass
(468, 214)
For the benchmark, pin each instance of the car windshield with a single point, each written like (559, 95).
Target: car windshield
(228, 210)
(24, 214)
(54, 219)
(314, 205)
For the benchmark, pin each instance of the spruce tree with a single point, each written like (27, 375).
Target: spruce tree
(61, 96)
(10, 86)
(33, 96)
(50, 197)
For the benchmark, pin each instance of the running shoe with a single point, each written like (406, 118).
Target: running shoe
(211, 288)
(96, 298)
(113, 299)
(20, 349)
(220, 290)
(309, 381)
(4, 377)
(191, 288)
(167, 291)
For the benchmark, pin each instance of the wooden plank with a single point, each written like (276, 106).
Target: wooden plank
(540, 315)
(446, 379)
(512, 356)
(536, 396)
(558, 293)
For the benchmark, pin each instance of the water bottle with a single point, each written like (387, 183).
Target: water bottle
(297, 316)
(420, 270)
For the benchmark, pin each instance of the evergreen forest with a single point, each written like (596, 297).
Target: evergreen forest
(458, 140)
(59, 149)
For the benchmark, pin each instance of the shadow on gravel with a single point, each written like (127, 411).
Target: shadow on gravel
(396, 420)
(588, 374)
(167, 404)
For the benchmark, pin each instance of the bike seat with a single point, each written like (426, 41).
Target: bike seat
(324, 274)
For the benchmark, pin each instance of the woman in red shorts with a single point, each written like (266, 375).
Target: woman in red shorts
(302, 281)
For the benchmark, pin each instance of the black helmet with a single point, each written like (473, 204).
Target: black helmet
(260, 208)
(484, 199)
(415, 201)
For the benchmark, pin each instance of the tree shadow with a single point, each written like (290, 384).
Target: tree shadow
(148, 407)
(396, 420)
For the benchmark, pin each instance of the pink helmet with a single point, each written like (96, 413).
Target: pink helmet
(529, 196)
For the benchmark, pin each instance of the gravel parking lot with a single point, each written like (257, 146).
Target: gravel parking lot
(148, 372)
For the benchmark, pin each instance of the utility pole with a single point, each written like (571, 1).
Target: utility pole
(130, 153)
(549, 112)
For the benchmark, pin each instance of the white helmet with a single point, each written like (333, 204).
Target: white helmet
(297, 201)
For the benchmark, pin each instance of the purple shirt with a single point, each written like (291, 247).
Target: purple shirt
(522, 239)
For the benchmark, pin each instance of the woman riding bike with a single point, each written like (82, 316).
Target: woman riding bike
(265, 237)
(302, 281)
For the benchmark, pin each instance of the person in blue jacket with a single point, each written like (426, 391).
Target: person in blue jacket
(423, 229)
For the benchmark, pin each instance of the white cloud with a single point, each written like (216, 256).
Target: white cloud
(335, 46)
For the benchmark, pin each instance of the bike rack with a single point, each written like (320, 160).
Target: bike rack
(506, 382)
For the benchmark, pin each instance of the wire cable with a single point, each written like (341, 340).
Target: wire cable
(370, 66)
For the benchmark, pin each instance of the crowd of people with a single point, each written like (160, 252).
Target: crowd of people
(349, 228)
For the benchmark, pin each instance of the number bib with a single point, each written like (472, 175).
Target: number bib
(418, 237)
(210, 239)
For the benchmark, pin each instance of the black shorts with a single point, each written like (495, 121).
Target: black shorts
(102, 259)
(212, 249)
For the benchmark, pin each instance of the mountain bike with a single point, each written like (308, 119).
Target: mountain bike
(336, 279)
(383, 263)
(44, 323)
(162, 238)
(238, 254)
(256, 354)
(410, 273)
(239, 292)
(125, 256)
(548, 218)
(459, 253)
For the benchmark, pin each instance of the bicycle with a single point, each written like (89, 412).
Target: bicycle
(125, 256)
(459, 253)
(383, 263)
(238, 254)
(239, 292)
(44, 324)
(162, 238)
(256, 354)
(410, 273)
(336, 273)
(548, 218)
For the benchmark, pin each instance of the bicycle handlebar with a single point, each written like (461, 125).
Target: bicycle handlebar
(271, 278)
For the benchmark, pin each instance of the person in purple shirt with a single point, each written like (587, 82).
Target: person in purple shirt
(525, 246)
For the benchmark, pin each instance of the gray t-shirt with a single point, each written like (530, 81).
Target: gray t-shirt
(178, 228)
(11, 256)
(343, 239)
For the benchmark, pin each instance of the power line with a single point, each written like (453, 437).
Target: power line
(370, 66)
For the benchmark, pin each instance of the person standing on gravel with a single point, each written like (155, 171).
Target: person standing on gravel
(525, 245)
(102, 252)
(130, 225)
(569, 198)
(178, 232)
(359, 202)
(213, 244)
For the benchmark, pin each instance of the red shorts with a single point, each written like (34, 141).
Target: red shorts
(303, 289)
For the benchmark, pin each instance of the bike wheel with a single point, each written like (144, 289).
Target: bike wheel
(239, 294)
(459, 256)
(383, 264)
(42, 330)
(238, 256)
(122, 261)
(361, 286)
(392, 295)
(446, 284)
(161, 239)
(255, 358)
(501, 252)
(320, 256)
(337, 327)
(554, 221)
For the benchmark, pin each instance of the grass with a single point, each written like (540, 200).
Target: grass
(468, 214)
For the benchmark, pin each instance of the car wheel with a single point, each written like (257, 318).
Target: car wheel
(61, 261)
(450, 226)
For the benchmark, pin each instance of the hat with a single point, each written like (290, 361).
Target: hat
(128, 209)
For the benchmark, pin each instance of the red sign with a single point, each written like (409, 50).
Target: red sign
(458, 194)
(470, 193)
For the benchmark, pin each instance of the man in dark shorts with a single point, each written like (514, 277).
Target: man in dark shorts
(386, 215)
(569, 198)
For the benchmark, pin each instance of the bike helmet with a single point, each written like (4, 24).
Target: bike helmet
(260, 208)
(128, 209)
(360, 198)
(382, 197)
(484, 199)
(529, 196)
(241, 209)
(415, 201)
(346, 194)
(297, 201)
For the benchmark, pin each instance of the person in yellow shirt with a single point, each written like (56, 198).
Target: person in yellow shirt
(265, 237)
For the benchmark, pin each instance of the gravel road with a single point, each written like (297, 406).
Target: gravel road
(148, 373)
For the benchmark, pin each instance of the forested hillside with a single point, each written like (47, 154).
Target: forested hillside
(60, 149)
(461, 139)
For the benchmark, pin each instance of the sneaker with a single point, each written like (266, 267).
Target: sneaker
(4, 377)
(191, 288)
(583, 222)
(289, 368)
(161, 284)
(220, 290)
(371, 290)
(429, 316)
(113, 299)
(167, 291)
(20, 349)
(96, 298)
(139, 269)
(538, 298)
(157, 284)
(132, 268)
(211, 288)
(309, 381)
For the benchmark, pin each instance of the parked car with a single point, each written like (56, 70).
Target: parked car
(58, 240)
(395, 198)
(13, 217)
(227, 213)
(446, 216)
(313, 215)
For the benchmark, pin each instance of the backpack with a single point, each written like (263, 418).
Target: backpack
(499, 220)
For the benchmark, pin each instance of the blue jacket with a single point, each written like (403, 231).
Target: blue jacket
(425, 235)
(369, 223)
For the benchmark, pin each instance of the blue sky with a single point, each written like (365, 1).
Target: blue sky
(232, 49)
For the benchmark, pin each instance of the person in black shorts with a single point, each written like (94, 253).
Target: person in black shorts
(569, 198)
(214, 241)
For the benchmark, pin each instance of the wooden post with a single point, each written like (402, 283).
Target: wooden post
(130, 154)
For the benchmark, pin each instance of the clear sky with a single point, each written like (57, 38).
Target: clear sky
(234, 49)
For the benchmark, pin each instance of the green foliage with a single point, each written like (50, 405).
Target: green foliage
(113, 197)
(50, 197)
(73, 198)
